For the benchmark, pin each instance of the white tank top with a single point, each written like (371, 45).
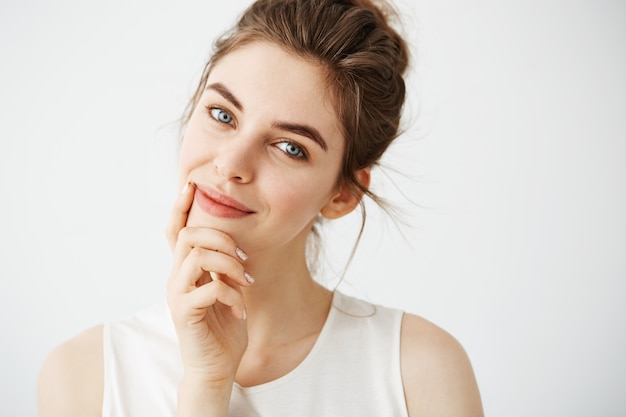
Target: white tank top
(352, 370)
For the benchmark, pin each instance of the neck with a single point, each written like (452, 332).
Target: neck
(285, 302)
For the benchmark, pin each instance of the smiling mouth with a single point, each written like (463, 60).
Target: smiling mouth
(218, 204)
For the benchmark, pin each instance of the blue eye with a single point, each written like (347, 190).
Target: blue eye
(291, 149)
(221, 116)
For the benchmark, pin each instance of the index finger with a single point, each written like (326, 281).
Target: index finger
(179, 214)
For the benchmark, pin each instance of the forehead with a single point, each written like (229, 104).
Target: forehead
(272, 82)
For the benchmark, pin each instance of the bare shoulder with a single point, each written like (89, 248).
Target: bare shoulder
(436, 372)
(71, 378)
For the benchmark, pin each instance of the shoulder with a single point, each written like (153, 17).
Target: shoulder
(437, 375)
(71, 377)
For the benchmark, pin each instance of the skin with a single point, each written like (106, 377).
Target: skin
(240, 142)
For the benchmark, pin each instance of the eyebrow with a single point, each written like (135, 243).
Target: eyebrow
(225, 92)
(296, 128)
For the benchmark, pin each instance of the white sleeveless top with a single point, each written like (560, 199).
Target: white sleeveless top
(352, 370)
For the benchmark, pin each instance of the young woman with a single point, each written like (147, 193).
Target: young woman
(296, 105)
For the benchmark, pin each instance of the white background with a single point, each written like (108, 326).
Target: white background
(514, 160)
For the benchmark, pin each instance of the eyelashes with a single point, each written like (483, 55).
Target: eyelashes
(221, 115)
(292, 149)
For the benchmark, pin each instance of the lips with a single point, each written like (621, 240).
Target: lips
(220, 205)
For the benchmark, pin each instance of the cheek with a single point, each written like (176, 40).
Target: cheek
(301, 195)
(300, 198)
(191, 155)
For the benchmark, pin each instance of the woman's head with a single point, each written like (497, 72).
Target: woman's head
(362, 57)
(264, 147)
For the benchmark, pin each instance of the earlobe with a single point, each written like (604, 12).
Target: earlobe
(346, 198)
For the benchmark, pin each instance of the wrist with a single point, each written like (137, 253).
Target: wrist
(200, 396)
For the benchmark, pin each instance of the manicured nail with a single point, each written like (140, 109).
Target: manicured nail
(249, 278)
(186, 187)
(241, 254)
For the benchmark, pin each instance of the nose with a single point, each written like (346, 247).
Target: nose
(234, 160)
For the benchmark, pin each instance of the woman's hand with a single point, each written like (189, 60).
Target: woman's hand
(206, 302)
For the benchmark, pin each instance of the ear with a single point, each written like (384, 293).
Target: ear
(346, 199)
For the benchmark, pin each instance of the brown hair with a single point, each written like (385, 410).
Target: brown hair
(363, 57)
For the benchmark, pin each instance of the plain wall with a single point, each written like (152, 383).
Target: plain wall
(514, 161)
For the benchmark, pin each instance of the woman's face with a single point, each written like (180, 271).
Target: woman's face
(264, 147)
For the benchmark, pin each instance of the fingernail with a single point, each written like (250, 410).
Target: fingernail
(241, 254)
(245, 315)
(186, 187)
(249, 278)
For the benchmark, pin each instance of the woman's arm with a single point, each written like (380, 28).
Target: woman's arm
(71, 378)
(436, 372)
